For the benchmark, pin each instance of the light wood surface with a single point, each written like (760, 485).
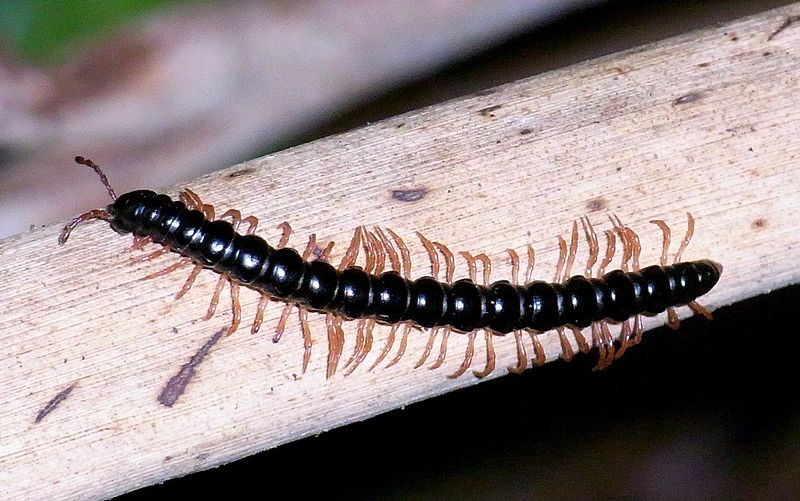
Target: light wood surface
(706, 122)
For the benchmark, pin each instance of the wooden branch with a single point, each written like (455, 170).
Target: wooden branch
(706, 122)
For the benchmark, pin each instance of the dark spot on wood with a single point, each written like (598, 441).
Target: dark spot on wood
(766, 53)
(759, 224)
(412, 195)
(704, 65)
(790, 20)
(167, 458)
(485, 92)
(734, 38)
(596, 204)
(202, 456)
(54, 402)
(687, 98)
(619, 169)
(240, 173)
(487, 112)
(399, 125)
(178, 383)
(525, 131)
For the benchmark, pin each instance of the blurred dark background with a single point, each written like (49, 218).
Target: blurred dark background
(708, 412)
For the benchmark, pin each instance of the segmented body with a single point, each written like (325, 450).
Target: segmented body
(353, 293)
(391, 297)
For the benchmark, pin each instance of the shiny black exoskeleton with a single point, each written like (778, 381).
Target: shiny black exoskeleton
(354, 293)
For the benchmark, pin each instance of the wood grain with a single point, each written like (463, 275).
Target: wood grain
(706, 122)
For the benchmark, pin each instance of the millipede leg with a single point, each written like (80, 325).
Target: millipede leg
(522, 355)
(573, 251)
(169, 269)
(432, 255)
(583, 346)
(366, 346)
(139, 243)
(281, 327)
(666, 234)
(335, 342)
(672, 318)
(428, 347)
(611, 247)
(625, 337)
(699, 309)
(491, 358)
(467, 356)
(149, 257)
(594, 246)
(286, 232)
(394, 259)
(405, 254)
(687, 238)
(566, 347)
(539, 357)
(212, 307)
(360, 339)
(449, 260)
(308, 341)
(442, 348)
(262, 306)
(189, 281)
(236, 308)
(387, 347)
(403, 344)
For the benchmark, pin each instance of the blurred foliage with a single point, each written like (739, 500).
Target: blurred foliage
(44, 31)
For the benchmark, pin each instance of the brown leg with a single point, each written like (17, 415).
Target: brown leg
(539, 357)
(573, 250)
(360, 340)
(149, 257)
(449, 260)
(387, 347)
(672, 319)
(365, 348)
(212, 307)
(139, 243)
(522, 355)
(403, 344)
(428, 347)
(491, 358)
(594, 246)
(307, 339)
(686, 239)
(432, 255)
(665, 240)
(189, 281)
(467, 356)
(281, 327)
(442, 348)
(169, 269)
(611, 246)
(335, 342)
(236, 308)
(405, 255)
(262, 306)
(286, 230)
(699, 309)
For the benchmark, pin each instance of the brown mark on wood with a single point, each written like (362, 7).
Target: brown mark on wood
(412, 195)
(54, 402)
(790, 20)
(687, 98)
(178, 383)
(487, 112)
(525, 131)
(240, 173)
(704, 65)
(759, 224)
(485, 92)
(596, 204)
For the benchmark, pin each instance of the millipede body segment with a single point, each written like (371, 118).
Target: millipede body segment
(370, 294)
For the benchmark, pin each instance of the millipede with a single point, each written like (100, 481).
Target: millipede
(383, 291)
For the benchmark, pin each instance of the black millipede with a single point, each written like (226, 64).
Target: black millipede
(370, 294)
